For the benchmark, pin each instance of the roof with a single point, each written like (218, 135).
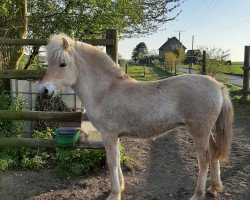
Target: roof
(171, 41)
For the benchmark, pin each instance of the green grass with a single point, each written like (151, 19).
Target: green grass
(242, 109)
(151, 73)
(235, 69)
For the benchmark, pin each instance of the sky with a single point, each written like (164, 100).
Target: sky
(222, 24)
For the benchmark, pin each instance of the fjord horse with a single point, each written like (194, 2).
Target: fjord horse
(118, 105)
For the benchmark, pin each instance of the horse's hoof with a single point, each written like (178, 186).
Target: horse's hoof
(214, 192)
(114, 196)
(217, 187)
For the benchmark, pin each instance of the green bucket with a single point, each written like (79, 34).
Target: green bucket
(67, 135)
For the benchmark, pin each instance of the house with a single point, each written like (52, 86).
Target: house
(197, 56)
(170, 45)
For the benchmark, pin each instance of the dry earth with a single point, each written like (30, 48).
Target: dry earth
(162, 169)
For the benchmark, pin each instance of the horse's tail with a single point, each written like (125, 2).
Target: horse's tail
(224, 127)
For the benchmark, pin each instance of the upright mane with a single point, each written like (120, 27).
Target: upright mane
(55, 51)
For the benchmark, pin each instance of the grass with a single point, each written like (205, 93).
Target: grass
(151, 73)
(234, 69)
(242, 109)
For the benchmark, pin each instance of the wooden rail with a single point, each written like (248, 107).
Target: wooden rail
(43, 115)
(111, 43)
(43, 42)
(46, 143)
(22, 74)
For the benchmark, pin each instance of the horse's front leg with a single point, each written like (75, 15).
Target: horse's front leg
(110, 142)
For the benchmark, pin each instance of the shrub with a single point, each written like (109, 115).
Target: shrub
(11, 128)
(169, 61)
(75, 162)
(216, 62)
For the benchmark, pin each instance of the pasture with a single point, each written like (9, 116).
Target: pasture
(234, 69)
(161, 168)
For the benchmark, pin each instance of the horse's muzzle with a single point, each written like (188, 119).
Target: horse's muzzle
(45, 92)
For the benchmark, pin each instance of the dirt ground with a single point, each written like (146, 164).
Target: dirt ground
(164, 168)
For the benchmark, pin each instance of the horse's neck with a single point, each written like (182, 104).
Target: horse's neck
(95, 76)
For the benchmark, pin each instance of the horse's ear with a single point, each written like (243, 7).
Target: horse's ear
(65, 44)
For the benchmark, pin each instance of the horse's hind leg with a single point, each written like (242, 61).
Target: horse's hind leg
(110, 142)
(201, 140)
(216, 184)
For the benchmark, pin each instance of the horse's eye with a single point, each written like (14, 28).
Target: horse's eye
(63, 65)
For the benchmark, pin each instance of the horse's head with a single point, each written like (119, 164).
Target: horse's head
(62, 70)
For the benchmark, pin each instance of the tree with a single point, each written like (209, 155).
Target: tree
(14, 24)
(86, 19)
(216, 62)
(169, 60)
(180, 57)
(140, 52)
(153, 57)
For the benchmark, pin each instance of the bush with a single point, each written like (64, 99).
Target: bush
(16, 157)
(216, 62)
(75, 162)
(11, 128)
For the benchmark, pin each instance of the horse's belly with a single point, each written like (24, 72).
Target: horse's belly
(148, 131)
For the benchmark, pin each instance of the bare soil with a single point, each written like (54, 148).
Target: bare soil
(164, 168)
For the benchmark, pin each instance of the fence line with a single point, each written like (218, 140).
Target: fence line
(43, 42)
(111, 43)
(43, 115)
(22, 74)
(46, 143)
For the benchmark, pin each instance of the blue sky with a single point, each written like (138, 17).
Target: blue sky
(222, 24)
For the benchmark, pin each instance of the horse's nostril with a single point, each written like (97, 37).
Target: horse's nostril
(46, 91)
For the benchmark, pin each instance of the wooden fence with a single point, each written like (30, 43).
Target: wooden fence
(246, 69)
(111, 43)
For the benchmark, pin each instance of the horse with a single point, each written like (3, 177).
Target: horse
(118, 105)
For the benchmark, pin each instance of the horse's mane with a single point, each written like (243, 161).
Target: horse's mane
(55, 51)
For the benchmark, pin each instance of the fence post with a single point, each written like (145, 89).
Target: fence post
(112, 51)
(203, 70)
(246, 69)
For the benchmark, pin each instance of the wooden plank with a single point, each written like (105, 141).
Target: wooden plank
(22, 74)
(203, 69)
(112, 50)
(43, 42)
(43, 115)
(33, 42)
(45, 143)
(246, 73)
